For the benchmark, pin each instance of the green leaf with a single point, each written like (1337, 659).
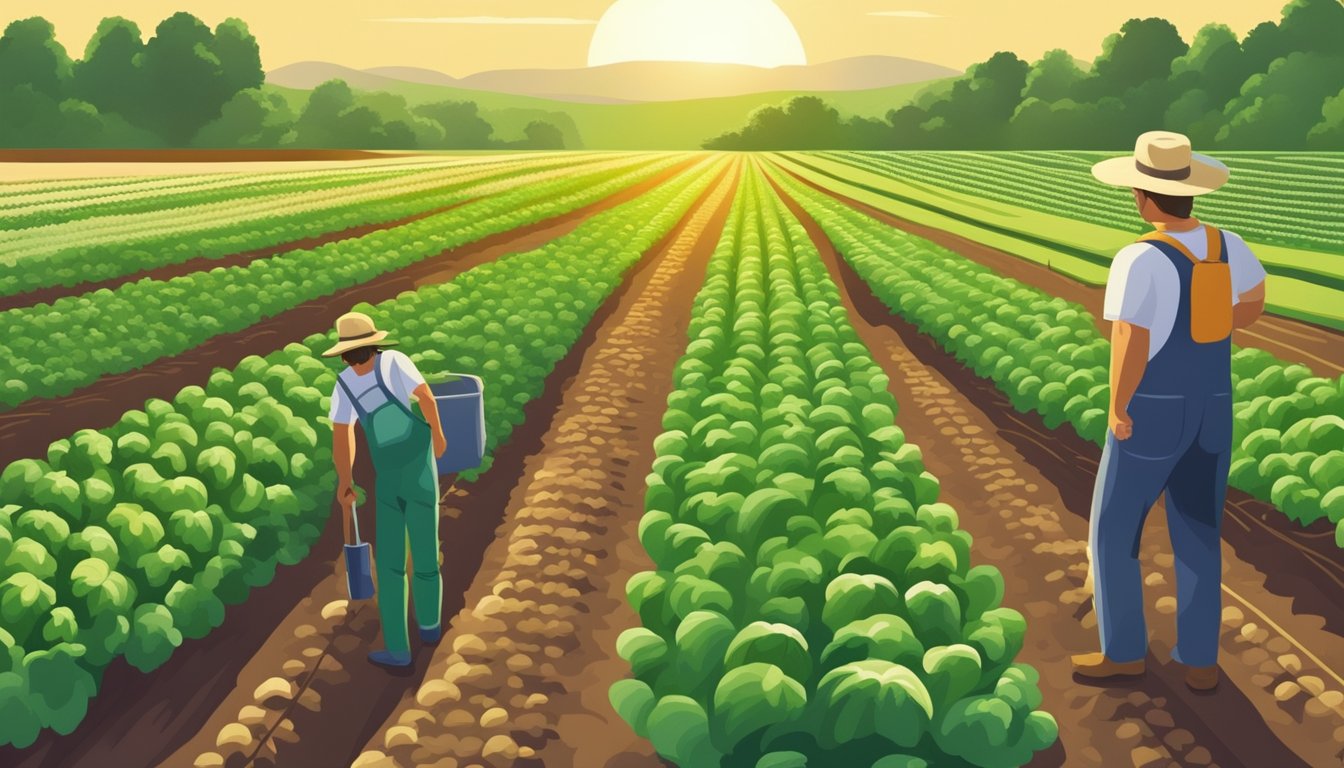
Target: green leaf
(884, 637)
(153, 637)
(24, 601)
(934, 612)
(776, 644)
(59, 686)
(61, 626)
(103, 589)
(853, 596)
(679, 730)
(950, 672)
(633, 700)
(137, 531)
(642, 649)
(867, 698)
(754, 697)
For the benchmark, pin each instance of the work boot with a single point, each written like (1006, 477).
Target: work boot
(1097, 666)
(390, 659)
(1202, 678)
(431, 635)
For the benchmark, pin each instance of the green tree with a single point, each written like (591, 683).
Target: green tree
(30, 55)
(108, 76)
(180, 69)
(461, 122)
(239, 58)
(1141, 51)
(543, 135)
(1277, 108)
(252, 118)
(1053, 77)
(1215, 64)
(1313, 26)
(1328, 134)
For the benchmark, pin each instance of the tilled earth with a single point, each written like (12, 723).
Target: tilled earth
(522, 676)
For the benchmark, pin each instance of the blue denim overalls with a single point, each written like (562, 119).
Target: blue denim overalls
(1182, 442)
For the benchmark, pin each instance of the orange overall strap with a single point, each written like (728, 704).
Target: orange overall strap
(1215, 244)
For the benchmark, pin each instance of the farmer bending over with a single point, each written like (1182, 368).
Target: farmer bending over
(1175, 297)
(376, 389)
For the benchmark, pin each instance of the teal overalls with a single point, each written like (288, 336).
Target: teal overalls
(1182, 443)
(406, 492)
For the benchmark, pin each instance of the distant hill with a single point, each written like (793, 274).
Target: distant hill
(634, 81)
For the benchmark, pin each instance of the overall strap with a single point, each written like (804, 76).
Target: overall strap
(378, 377)
(354, 401)
(1216, 252)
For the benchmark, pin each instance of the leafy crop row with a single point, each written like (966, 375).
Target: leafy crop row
(81, 252)
(1313, 219)
(1047, 355)
(812, 599)
(126, 540)
(55, 348)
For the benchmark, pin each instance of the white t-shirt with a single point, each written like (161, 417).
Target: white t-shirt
(1144, 289)
(399, 374)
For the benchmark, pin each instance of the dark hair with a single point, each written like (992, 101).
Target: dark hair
(359, 355)
(1180, 206)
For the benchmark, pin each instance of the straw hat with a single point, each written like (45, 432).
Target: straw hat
(356, 330)
(1163, 163)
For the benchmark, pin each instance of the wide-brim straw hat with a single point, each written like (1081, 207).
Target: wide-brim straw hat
(356, 330)
(1163, 163)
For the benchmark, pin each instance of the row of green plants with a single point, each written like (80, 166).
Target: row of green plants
(163, 244)
(813, 603)
(1048, 356)
(234, 187)
(126, 540)
(53, 349)
(1061, 183)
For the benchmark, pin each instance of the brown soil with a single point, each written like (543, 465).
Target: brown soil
(189, 155)
(26, 431)
(1316, 347)
(204, 263)
(1024, 494)
(522, 677)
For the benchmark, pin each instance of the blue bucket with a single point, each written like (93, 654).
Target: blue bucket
(461, 403)
(358, 565)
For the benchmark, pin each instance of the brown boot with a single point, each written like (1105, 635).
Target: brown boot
(1097, 666)
(1202, 678)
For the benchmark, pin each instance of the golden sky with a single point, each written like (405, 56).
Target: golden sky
(556, 33)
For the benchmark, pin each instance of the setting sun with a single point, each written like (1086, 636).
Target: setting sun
(753, 32)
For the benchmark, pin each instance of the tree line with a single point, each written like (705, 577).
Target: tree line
(192, 86)
(1280, 87)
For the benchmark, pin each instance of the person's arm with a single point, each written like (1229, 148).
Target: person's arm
(1250, 306)
(430, 409)
(1129, 359)
(343, 456)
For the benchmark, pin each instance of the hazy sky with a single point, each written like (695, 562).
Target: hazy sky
(465, 36)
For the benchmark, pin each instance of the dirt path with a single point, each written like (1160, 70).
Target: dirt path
(205, 263)
(1023, 492)
(27, 430)
(522, 676)
(1318, 348)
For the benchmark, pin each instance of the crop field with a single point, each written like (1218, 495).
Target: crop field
(789, 463)
(1046, 207)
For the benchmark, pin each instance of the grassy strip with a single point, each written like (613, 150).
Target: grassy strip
(813, 603)
(128, 539)
(1047, 355)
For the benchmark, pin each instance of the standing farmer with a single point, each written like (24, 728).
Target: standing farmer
(376, 389)
(1174, 297)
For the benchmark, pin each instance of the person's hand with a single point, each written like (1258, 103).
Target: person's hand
(440, 444)
(1121, 425)
(345, 496)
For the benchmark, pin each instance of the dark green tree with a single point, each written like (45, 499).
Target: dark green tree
(30, 55)
(1278, 108)
(1054, 77)
(543, 135)
(252, 118)
(108, 77)
(461, 122)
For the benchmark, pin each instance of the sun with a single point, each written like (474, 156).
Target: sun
(752, 32)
